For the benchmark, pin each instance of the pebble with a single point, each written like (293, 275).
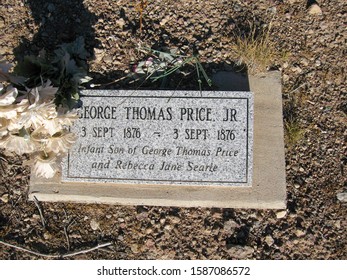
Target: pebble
(342, 197)
(149, 231)
(228, 225)
(304, 62)
(94, 224)
(300, 233)
(269, 240)
(108, 59)
(281, 214)
(47, 236)
(4, 198)
(285, 78)
(315, 10)
(241, 252)
(120, 22)
(135, 248)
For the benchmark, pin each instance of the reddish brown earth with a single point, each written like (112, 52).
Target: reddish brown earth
(315, 107)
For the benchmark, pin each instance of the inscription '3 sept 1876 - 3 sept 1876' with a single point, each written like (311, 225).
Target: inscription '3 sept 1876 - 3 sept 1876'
(163, 140)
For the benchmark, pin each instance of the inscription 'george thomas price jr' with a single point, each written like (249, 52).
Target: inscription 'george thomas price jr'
(147, 138)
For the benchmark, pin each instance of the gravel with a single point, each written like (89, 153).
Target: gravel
(314, 101)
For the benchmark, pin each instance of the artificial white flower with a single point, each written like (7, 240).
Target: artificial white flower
(45, 165)
(35, 115)
(42, 94)
(60, 122)
(18, 144)
(60, 143)
(9, 97)
(9, 109)
(3, 127)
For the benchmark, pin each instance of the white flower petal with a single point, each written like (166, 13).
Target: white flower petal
(45, 165)
(8, 112)
(3, 127)
(19, 145)
(62, 143)
(9, 97)
(35, 116)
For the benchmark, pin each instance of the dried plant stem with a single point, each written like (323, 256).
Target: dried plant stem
(67, 238)
(56, 256)
(43, 221)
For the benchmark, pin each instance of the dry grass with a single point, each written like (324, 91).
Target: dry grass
(255, 50)
(293, 132)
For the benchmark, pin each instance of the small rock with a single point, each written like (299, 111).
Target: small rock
(120, 237)
(94, 224)
(135, 248)
(304, 61)
(241, 252)
(281, 214)
(120, 22)
(315, 10)
(108, 59)
(228, 225)
(47, 236)
(149, 231)
(285, 78)
(4, 198)
(269, 240)
(150, 243)
(164, 20)
(337, 224)
(342, 197)
(175, 220)
(36, 217)
(300, 233)
(168, 227)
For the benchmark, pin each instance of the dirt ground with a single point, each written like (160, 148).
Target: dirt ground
(314, 102)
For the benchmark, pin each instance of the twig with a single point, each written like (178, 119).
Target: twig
(67, 238)
(3, 159)
(43, 221)
(299, 87)
(56, 256)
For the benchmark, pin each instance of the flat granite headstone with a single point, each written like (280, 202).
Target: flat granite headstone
(163, 137)
(176, 148)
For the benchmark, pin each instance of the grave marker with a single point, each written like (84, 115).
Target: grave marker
(185, 154)
(171, 138)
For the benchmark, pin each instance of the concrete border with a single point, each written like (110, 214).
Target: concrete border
(269, 185)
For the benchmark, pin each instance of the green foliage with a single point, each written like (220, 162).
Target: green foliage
(66, 68)
(159, 65)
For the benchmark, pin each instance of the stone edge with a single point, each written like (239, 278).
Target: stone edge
(269, 185)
